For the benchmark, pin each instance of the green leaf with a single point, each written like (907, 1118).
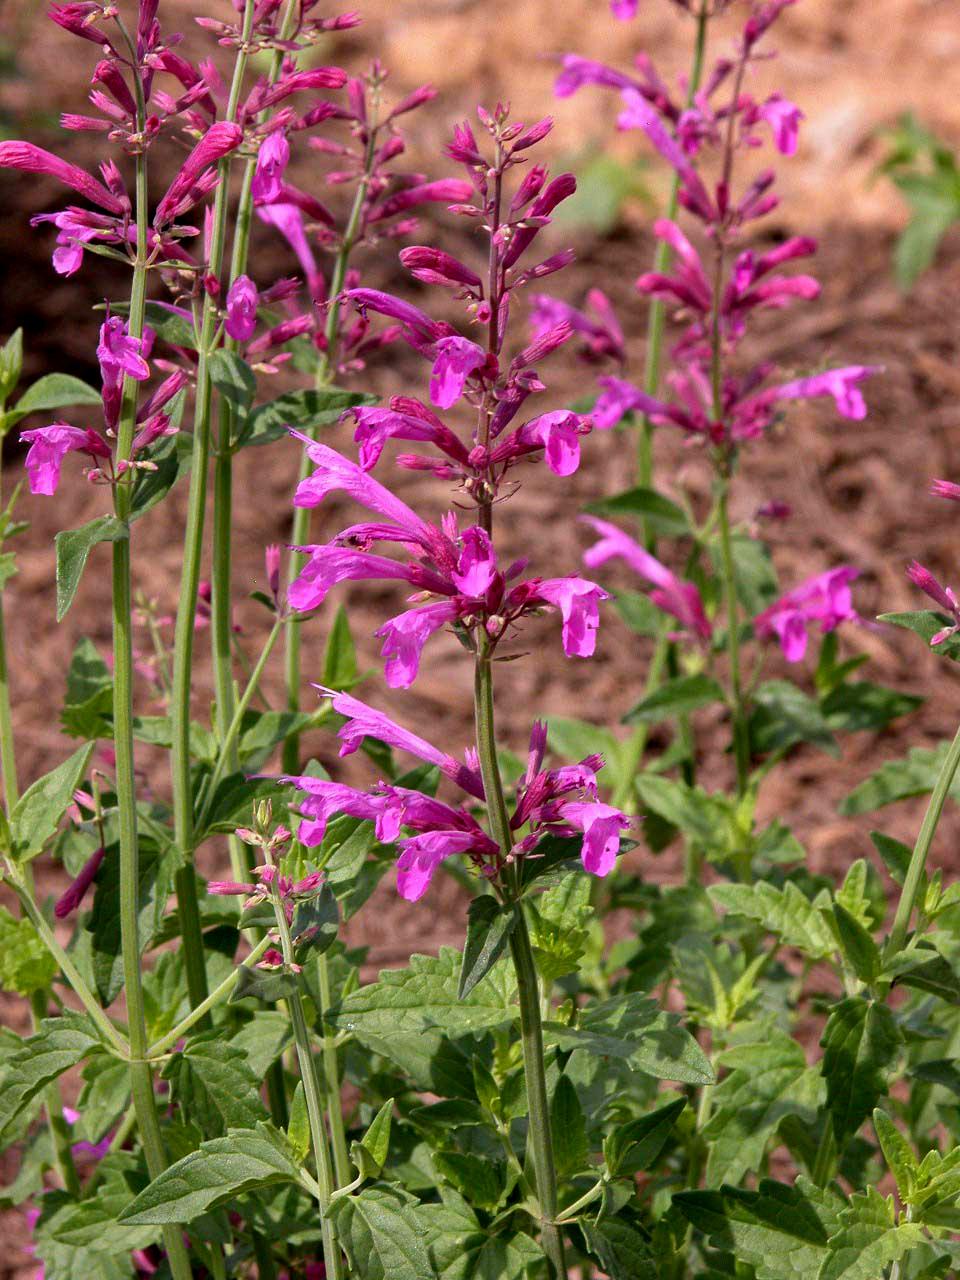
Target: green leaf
(767, 1081)
(898, 1154)
(61, 1043)
(868, 1240)
(475, 1176)
(25, 963)
(620, 1248)
(426, 996)
(460, 1249)
(379, 1232)
(785, 912)
(263, 1039)
(11, 365)
(659, 514)
(304, 410)
(632, 1027)
(38, 812)
(860, 705)
(784, 715)
(73, 546)
(217, 1172)
(676, 698)
(688, 808)
(935, 976)
(213, 1085)
(234, 379)
(633, 1147)
(639, 613)
(859, 948)
(489, 926)
(374, 1146)
(340, 656)
(154, 886)
(896, 858)
(914, 775)
(166, 323)
(315, 923)
(298, 1127)
(52, 391)
(172, 457)
(756, 577)
(88, 708)
(860, 1043)
(568, 1126)
(263, 984)
(91, 1223)
(781, 1231)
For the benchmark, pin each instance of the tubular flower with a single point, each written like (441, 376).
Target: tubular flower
(671, 594)
(943, 596)
(825, 599)
(459, 570)
(549, 801)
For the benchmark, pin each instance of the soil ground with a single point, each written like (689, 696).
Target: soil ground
(857, 489)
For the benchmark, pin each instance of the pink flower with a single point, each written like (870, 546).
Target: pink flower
(272, 159)
(825, 598)
(195, 179)
(48, 448)
(784, 118)
(671, 594)
(71, 898)
(404, 637)
(433, 266)
(578, 602)
(624, 9)
(422, 855)
(241, 309)
(376, 426)
(30, 159)
(456, 359)
(600, 330)
(943, 596)
(639, 114)
(842, 384)
(557, 433)
(618, 398)
(945, 489)
(601, 825)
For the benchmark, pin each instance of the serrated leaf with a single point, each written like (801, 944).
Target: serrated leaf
(61, 1043)
(767, 1081)
(263, 1039)
(658, 513)
(91, 1223)
(676, 698)
(233, 378)
(914, 775)
(936, 976)
(868, 1239)
(634, 1028)
(785, 912)
(376, 1141)
(53, 391)
(688, 808)
(859, 948)
(926, 623)
(340, 669)
(860, 705)
(217, 1172)
(460, 1249)
(897, 1152)
(489, 926)
(38, 812)
(25, 963)
(896, 858)
(378, 1229)
(304, 410)
(424, 996)
(621, 1249)
(860, 1043)
(781, 1231)
(214, 1086)
(73, 546)
(568, 1126)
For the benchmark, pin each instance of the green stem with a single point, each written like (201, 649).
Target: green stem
(656, 313)
(826, 1156)
(313, 1096)
(625, 795)
(331, 1071)
(186, 880)
(228, 745)
(325, 372)
(588, 1198)
(528, 986)
(741, 738)
(218, 994)
(918, 859)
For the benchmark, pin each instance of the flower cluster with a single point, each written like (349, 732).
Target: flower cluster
(716, 297)
(561, 802)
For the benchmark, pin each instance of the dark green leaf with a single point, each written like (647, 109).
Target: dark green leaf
(216, 1173)
(380, 1234)
(73, 546)
(868, 1240)
(234, 379)
(860, 1044)
(569, 1129)
(61, 1043)
(783, 716)
(675, 698)
(861, 951)
(936, 976)
(620, 1248)
(315, 923)
(896, 858)
(25, 963)
(785, 912)
(11, 364)
(489, 925)
(155, 883)
(632, 1147)
(38, 812)
(659, 514)
(304, 410)
(268, 985)
(862, 705)
(340, 656)
(53, 391)
(172, 458)
(914, 775)
(214, 1086)
(88, 708)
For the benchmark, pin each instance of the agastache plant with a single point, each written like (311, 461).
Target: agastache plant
(619, 1075)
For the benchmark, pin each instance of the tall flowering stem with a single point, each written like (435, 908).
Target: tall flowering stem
(141, 1077)
(186, 882)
